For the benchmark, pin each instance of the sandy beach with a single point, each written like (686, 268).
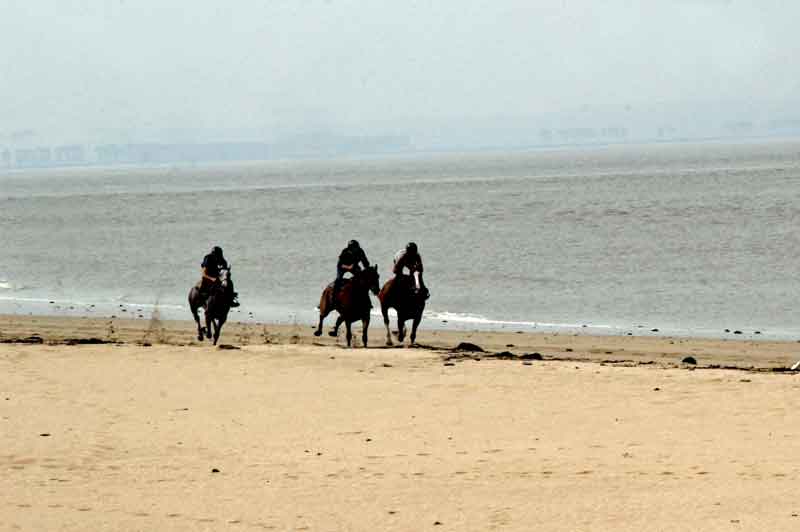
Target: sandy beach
(130, 425)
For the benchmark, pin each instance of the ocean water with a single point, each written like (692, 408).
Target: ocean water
(683, 238)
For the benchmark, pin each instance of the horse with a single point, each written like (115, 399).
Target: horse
(399, 293)
(215, 307)
(353, 304)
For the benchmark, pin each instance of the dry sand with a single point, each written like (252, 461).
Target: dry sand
(126, 436)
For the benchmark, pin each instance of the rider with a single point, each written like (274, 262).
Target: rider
(349, 260)
(409, 258)
(212, 264)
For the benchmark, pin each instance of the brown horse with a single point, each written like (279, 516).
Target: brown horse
(215, 307)
(353, 303)
(399, 293)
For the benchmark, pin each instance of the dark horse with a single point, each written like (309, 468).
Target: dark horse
(399, 293)
(353, 304)
(215, 307)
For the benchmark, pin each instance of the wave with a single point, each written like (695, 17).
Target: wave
(476, 319)
(64, 302)
(456, 319)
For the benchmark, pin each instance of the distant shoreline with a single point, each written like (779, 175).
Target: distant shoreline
(390, 154)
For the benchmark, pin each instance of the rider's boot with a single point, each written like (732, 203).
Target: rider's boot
(235, 300)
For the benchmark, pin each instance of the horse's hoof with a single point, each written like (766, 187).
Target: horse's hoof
(332, 333)
(317, 333)
(199, 337)
(389, 344)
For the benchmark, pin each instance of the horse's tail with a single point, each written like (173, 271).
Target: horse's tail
(193, 296)
(325, 303)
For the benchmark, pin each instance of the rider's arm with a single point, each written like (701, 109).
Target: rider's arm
(205, 274)
(397, 269)
(364, 259)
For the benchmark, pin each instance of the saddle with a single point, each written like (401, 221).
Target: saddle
(345, 283)
(204, 286)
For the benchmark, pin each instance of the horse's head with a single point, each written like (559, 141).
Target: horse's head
(371, 279)
(224, 277)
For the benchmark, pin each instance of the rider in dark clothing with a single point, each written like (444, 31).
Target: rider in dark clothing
(410, 259)
(350, 260)
(212, 264)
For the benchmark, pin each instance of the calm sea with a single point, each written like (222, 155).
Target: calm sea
(684, 238)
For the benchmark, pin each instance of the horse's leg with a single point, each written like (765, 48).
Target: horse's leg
(209, 322)
(218, 328)
(197, 321)
(335, 331)
(417, 319)
(365, 325)
(194, 296)
(323, 312)
(401, 327)
(318, 332)
(349, 332)
(385, 312)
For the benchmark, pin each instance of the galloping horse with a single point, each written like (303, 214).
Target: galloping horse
(399, 293)
(353, 304)
(215, 307)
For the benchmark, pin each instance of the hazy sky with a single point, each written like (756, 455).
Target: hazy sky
(81, 66)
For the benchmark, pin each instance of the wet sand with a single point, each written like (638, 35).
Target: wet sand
(285, 431)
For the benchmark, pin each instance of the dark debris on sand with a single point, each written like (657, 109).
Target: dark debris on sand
(470, 347)
(501, 355)
(33, 339)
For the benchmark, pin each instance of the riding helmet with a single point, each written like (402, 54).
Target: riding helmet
(216, 251)
(353, 244)
(411, 247)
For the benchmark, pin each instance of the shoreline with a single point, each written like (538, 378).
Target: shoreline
(656, 351)
(433, 319)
